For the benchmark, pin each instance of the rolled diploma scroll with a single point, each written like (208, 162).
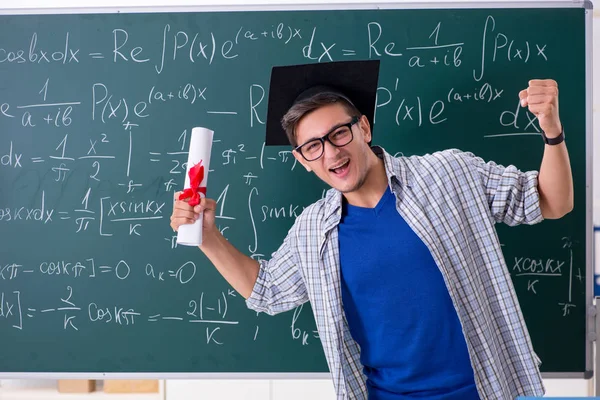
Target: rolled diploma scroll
(200, 148)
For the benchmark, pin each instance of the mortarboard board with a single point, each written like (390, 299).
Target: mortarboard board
(355, 80)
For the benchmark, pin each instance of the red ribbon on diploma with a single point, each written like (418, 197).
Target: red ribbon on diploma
(196, 175)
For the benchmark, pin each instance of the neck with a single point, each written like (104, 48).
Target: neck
(374, 186)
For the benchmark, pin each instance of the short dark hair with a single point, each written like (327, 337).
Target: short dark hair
(292, 117)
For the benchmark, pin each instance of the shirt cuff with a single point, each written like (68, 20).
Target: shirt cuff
(533, 211)
(256, 300)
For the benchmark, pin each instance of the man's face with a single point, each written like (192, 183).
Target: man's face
(343, 168)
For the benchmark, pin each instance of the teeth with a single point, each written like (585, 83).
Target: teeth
(341, 165)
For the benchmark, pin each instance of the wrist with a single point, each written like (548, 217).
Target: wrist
(553, 133)
(551, 138)
(209, 237)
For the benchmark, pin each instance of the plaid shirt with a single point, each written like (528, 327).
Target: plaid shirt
(451, 199)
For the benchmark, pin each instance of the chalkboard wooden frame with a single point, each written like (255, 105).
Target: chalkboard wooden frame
(586, 4)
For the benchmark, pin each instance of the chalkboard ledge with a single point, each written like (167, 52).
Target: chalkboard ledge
(51, 393)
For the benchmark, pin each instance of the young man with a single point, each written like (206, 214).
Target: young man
(385, 257)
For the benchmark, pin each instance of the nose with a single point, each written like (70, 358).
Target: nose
(329, 150)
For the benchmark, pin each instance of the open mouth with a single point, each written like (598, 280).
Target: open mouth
(341, 169)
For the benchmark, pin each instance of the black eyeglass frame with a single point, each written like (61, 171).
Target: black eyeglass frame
(325, 137)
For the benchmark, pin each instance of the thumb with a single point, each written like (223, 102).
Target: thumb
(523, 97)
(208, 206)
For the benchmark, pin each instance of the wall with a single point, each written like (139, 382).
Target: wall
(250, 389)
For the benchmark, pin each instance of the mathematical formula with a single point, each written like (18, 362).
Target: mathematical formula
(82, 161)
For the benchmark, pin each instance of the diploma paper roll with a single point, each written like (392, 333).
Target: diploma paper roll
(200, 148)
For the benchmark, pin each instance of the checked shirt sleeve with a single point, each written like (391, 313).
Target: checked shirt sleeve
(512, 195)
(279, 286)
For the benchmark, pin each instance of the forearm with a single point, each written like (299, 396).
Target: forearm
(555, 182)
(238, 269)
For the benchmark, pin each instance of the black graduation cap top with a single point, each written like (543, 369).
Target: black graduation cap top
(356, 80)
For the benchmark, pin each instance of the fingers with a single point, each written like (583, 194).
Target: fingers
(523, 94)
(183, 213)
(539, 98)
(542, 109)
(523, 97)
(539, 91)
(177, 221)
(550, 90)
(182, 205)
(543, 82)
(206, 204)
(180, 213)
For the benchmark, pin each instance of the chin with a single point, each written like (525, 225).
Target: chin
(347, 187)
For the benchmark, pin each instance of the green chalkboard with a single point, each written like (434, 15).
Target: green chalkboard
(95, 118)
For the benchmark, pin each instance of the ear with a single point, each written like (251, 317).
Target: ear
(365, 127)
(301, 159)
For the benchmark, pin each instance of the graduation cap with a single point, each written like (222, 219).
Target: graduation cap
(355, 81)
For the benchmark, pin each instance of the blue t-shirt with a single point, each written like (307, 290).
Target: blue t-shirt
(399, 310)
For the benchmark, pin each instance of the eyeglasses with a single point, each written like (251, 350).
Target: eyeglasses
(339, 136)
